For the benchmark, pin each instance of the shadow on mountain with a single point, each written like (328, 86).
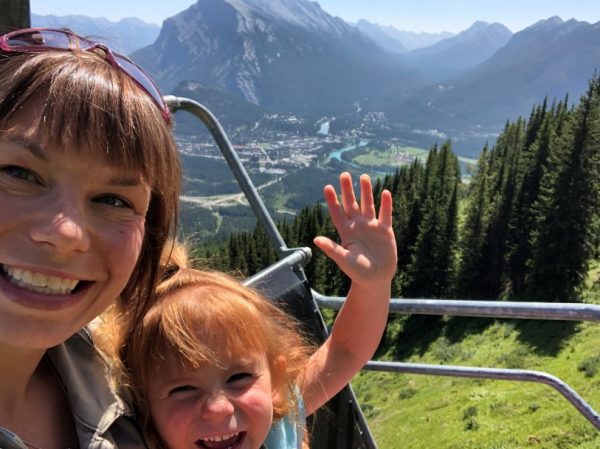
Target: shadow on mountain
(545, 337)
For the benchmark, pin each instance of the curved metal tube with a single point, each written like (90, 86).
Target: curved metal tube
(492, 309)
(215, 129)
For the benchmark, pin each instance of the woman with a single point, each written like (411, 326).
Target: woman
(89, 184)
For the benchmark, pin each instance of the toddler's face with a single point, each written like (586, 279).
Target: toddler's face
(213, 408)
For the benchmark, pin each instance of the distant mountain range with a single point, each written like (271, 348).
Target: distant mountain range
(551, 58)
(465, 50)
(398, 41)
(285, 55)
(291, 56)
(126, 36)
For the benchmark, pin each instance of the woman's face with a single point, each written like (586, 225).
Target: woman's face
(71, 230)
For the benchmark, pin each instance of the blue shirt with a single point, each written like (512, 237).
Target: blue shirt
(288, 432)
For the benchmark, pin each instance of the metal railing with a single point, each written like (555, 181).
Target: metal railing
(489, 309)
(469, 308)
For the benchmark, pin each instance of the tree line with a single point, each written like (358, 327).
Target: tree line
(526, 226)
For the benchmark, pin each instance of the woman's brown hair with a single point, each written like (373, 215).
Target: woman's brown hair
(87, 105)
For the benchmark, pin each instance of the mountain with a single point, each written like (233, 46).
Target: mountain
(285, 55)
(232, 111)
(467, 49)
(378, 34)
(550, 58)
(411, 40)
(125, 36)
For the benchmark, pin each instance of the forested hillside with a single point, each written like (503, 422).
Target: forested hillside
(528, 227)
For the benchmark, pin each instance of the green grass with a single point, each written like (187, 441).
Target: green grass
(426, 412)
(389, 157)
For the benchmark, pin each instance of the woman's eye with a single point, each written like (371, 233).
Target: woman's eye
(112, 200)
(20, 173)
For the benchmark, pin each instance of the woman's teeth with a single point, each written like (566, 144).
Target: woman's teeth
(39, 282)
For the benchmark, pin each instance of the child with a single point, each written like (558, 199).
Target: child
(213, 364)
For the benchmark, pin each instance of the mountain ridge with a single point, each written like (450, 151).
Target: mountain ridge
(125, 36)
(271, 59)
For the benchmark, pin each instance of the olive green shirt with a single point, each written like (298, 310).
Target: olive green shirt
(102, 418)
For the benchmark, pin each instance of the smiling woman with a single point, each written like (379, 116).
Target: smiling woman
(89, 183)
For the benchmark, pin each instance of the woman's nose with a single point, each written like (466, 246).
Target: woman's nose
(216, 407)
(64, 228)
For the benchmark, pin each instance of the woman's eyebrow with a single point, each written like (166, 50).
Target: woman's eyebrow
(33, 147)
(125, 181)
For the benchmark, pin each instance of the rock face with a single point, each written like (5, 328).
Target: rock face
(281, 54)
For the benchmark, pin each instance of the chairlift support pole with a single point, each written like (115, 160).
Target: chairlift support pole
(216, 130)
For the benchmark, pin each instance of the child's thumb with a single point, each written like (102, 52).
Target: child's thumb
(331, 249)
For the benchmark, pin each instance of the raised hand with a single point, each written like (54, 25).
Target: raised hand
(367, 252)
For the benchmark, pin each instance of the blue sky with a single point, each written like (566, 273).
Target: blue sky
(408, 15)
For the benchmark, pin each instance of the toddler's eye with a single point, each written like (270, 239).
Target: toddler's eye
(239, 377)
(181, 389)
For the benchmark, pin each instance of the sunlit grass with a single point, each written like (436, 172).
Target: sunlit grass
(423, 412)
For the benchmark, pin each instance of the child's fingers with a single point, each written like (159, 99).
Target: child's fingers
(335, 209)
(385, 210)
(367, 204)
(348, 198)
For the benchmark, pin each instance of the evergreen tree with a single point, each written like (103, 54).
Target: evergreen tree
(568, 206)
(474, 231)
(522, 221)
(432, 265)
(504, 165)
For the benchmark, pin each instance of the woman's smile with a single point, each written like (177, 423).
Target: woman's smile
(71, 229)
(39, 282)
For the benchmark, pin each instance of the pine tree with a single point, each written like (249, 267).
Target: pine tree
(568, 207)
(539, 140)
(432, 265)
(504, 164)
(475, 228)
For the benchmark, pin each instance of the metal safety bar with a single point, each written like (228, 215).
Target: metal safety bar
(491, 309)
(217, 132)
(493, 374)
(291, 260)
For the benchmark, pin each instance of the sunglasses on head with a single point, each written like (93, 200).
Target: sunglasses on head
(38, 40)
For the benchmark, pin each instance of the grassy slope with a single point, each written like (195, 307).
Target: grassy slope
(414, 411)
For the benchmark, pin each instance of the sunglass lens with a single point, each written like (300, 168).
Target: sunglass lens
(142, 79)
(40, 38)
